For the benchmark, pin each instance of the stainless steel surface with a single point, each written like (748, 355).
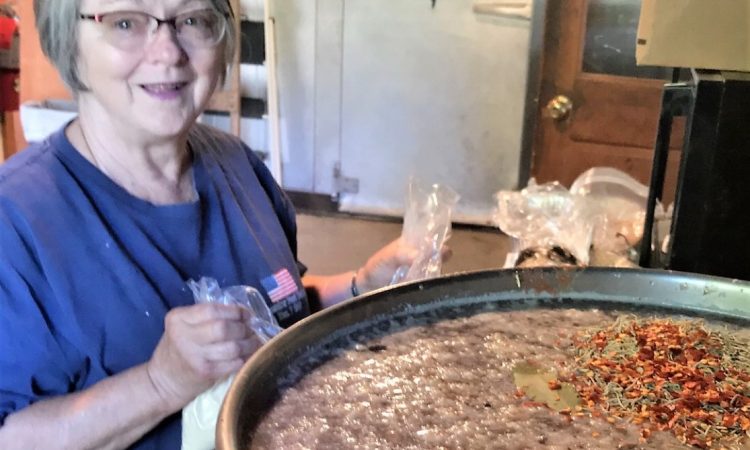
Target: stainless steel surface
(443, 82)
(254, 389)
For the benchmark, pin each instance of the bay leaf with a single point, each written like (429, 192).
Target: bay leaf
(534, 382)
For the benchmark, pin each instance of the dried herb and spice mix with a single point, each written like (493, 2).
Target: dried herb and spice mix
(556, 378)
(675, 375)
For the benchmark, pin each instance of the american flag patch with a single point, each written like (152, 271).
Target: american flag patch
(279, 285)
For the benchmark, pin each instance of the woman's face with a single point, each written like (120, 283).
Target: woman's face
(155, 89)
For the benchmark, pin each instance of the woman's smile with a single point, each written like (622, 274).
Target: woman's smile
(164, 91)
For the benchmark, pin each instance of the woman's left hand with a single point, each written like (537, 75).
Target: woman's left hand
(379, 269)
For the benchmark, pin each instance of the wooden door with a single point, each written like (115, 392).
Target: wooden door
(596, 108)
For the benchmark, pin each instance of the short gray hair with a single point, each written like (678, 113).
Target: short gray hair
(57, 24)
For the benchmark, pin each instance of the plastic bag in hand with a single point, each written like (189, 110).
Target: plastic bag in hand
(263, 322)
(199, 417)
(427, 226)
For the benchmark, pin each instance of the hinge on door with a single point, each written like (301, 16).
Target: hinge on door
(344, 184)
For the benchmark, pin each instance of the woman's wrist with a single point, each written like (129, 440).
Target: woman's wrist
(355, 291)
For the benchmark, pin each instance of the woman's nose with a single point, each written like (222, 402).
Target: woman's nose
(163, 47)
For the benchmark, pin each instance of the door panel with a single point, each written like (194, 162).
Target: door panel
(614, 113)
(631, 108)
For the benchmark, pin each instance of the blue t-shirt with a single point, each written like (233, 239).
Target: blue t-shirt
(88, 271)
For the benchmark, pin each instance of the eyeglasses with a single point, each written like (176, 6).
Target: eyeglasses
(131, 30)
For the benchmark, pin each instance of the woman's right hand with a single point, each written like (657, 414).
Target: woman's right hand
(201, 345)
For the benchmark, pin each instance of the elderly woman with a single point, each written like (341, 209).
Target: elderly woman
(101, 344)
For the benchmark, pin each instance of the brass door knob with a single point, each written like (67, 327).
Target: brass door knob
(559, 107)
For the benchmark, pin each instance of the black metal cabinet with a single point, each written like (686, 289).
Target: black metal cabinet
(710, 231)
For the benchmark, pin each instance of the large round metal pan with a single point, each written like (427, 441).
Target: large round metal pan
(255, 388)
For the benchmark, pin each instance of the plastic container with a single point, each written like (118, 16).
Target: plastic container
(40, 119)
(617, 203)
(610, 182)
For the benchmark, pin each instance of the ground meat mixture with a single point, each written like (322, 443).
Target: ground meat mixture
(445, 384)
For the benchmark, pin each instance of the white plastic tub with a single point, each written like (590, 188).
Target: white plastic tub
(40, 119)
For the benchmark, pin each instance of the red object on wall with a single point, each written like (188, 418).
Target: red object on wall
(7, 32)
(8, 90)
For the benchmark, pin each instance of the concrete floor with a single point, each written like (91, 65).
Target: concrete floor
(334, 244)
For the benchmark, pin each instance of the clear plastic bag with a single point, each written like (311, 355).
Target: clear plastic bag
(545, 216)
(263, 322)
(199, 417)
(427, 226)
(599, 220)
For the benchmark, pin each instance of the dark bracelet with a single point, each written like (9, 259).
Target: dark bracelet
(355, 290)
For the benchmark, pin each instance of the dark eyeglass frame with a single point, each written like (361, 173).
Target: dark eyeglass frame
(171, 21)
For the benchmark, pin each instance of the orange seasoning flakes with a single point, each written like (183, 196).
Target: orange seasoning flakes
(667, 376)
